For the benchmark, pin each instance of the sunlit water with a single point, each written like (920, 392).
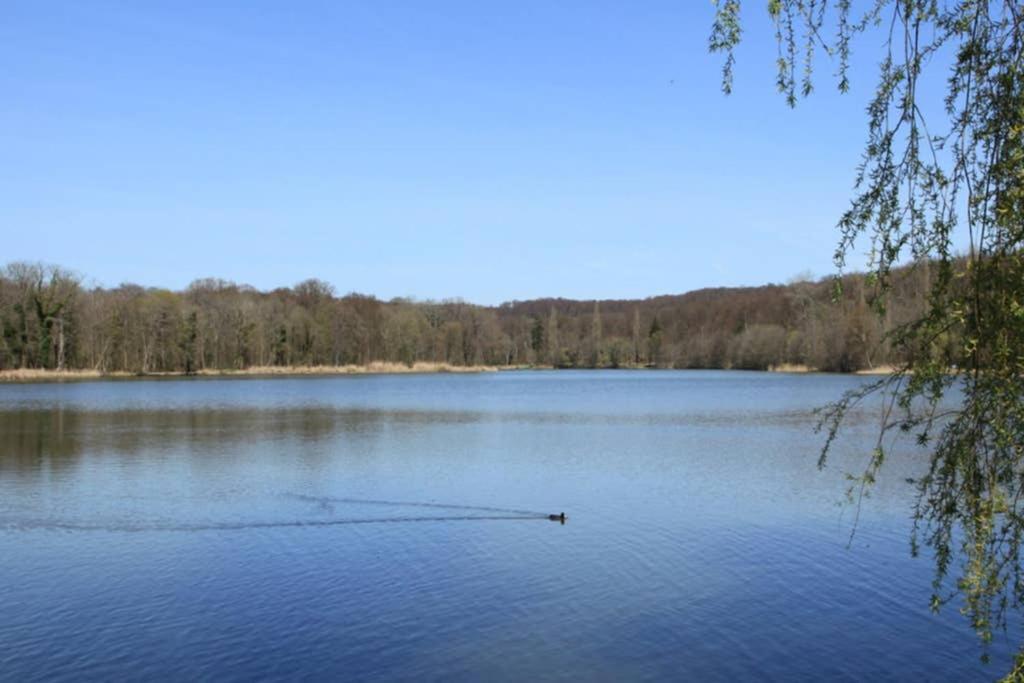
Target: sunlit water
(395, 528)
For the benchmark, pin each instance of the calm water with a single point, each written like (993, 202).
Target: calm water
(241, 529)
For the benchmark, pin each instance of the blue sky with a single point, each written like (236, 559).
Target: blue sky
(490, 151)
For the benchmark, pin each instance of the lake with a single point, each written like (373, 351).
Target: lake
(395, 528)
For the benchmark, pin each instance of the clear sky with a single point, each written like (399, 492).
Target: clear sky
(490, 151)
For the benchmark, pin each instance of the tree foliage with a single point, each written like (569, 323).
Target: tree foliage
(935, 167)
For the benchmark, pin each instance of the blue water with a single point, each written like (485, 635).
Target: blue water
(395, 528)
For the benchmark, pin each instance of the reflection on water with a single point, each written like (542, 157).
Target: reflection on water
(398, 528)
(37, 432)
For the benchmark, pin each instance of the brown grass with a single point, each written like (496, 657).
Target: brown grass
(382, 368)
(375, 368)
(878, 370)
(35, 375)
(797, 368)
(791, 367)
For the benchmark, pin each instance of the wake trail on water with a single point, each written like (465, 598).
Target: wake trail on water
(242, 526)
(327, 500)
(471, 513)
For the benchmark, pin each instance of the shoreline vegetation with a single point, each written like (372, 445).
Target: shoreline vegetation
(376, 368)
(796, 369)
(41, 375)
(52, 321)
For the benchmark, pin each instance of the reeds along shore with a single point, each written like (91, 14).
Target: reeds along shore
(376, 368)
(382, 368)
(793, 368)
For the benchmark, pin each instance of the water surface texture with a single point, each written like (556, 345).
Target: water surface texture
(395, 528)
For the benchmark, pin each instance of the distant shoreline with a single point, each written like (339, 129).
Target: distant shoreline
(35, 375)
(380, 368)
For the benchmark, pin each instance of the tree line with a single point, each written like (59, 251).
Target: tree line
(51, 319)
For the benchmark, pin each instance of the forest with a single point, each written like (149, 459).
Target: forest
(51, 319)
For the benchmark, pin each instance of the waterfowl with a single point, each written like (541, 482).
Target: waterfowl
(557, 518)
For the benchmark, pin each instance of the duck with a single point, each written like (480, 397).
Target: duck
(557, 518)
